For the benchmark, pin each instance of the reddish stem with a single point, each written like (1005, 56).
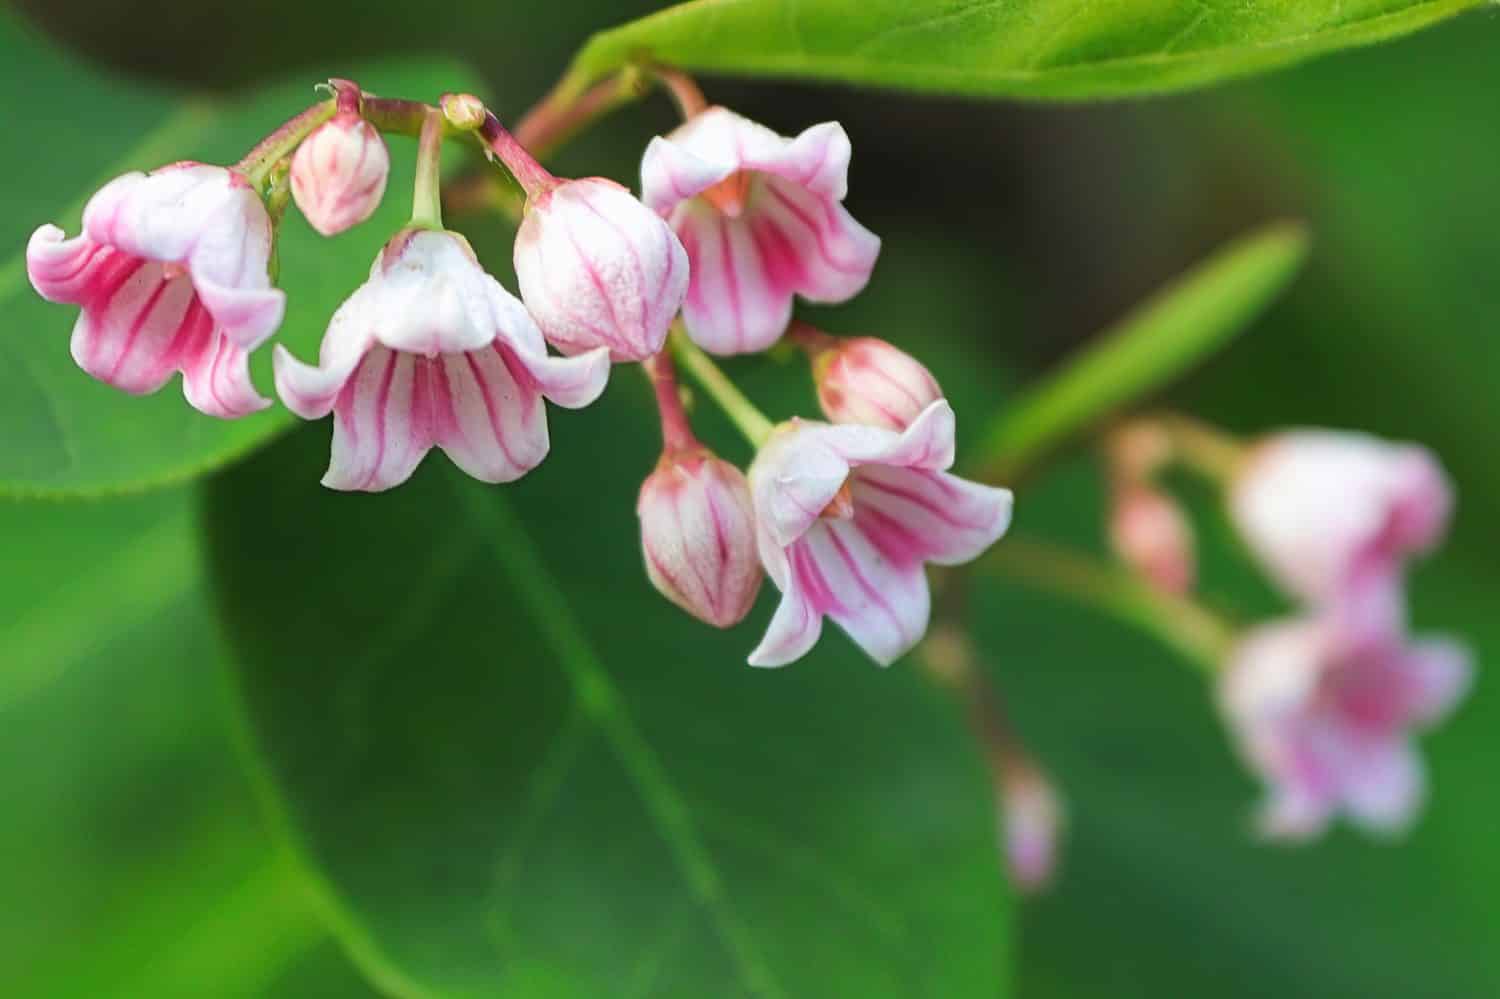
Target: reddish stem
(531, 175)
(684, 90)
(553, 120)
(810, 338)
(676, 432)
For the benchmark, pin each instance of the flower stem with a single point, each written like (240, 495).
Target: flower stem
(1213, 453)
(554, 120)
(676, 432)
(1201, 635)
(426, 196)
(531, 175)
(686, 93)
(258, 163)
(750, 420)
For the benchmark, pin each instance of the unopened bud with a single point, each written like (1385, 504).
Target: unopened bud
(866, 380)
(339, 173)
(1151, 535)
(464, 112)
(1031, 820)
(599, 269)
(698, 536)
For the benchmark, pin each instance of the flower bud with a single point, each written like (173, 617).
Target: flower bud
(698, 536)
(598, 269)
(1031, 819)
(339, 173)
(865, 380)
(1150, 535)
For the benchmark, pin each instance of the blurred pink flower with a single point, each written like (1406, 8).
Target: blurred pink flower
(432, 352)
(597, 269)
(698, 536)
(339, 173)
(1151, 535)
(171, 272)
(1327, 723)
(1333, 516)
(846, 517)
(1031, 820)
(762, 219)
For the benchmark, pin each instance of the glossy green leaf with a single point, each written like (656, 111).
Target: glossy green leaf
(1179, 327)
(518, 771)
(66, 434)
(1006, 48)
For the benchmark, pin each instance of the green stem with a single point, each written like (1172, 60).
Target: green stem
(426, 197)
(258, 163)
(750, 420)
(1213, 453)
(1199, 634)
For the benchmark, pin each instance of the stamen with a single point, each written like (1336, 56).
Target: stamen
(730, 194)
(841, 507)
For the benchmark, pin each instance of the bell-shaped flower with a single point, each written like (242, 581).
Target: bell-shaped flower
(698, 536)
(865, 380)
(1326, 722)
(432, 352)
(1332, 516)
(339, 173)
(597, 269)
(847, 515)
(171, 274)
(762, 218)
(1151, 535)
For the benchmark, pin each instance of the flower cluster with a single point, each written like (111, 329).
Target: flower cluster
(173, 273)
(1321, 703)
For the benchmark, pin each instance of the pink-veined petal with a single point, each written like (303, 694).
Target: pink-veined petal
(823, 253)
(797, 624)
(62, 269)
(132, 333)
(488, 414)
(884, 606)
(570, 382)
(916, 516)
(671, 174)
(816, 160)
(216, 372)
(382, 424)
(736, 304)
(247, 315)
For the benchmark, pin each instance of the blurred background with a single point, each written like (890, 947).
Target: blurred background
(137, 732)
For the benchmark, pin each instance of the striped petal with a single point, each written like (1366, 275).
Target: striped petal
(488, 414)
(382, 423)
(811, 243)
(913, 516)
(739, 297)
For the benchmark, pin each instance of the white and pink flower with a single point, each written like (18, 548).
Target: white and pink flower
(1031, 823)
(171, 273)
(698, 536)
(1150, 533)
(339, 173)
(597, 269)
(1333, 516)
(848, 515)
(432, 352)
(762, 218)
(866, 380)
(1326, 720)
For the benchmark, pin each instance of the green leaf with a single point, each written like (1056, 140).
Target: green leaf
(66, 434)
(521, 772)
(1181, 325)
(1052, 49)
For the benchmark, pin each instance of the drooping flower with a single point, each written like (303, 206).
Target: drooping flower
(1333, 516)
(847, 516)
(171, 272)
(1151, 535)
(762, 218)
(597, 269)
(339, 173)
(432, 352)
(1325, 719)
(866, 380)
(698, 536)
(1031, 820)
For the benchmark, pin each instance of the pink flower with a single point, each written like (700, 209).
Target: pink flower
(762, 219)
(866, 380)
(1149, 532)
(1031, 820)
(432, 352)
(1333, 516)
(1326, 722)
(339, 173)
(597, 269)
(846, 517)
(171, 273)
(698, 536)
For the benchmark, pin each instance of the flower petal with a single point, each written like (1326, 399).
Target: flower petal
(1384, 786)
(382, 424)
(817, 160)
(570, 382)
(670, 175)
(883, 605)
(915, 516)
(62, 269)
(216, 372)
(488, 415)
(134, 329)
(311, 392)
(736, 304)
(1292, 815)
(798, 622)
(1437, 673)
(819, 248)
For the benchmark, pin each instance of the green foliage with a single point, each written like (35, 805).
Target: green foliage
(1060, 49)
(518, 775)
(68, 435)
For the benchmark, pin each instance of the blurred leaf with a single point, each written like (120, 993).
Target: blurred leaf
(66, 434)
(512, 791)
(135, 863)
(1005, 48)
(1164, 337)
